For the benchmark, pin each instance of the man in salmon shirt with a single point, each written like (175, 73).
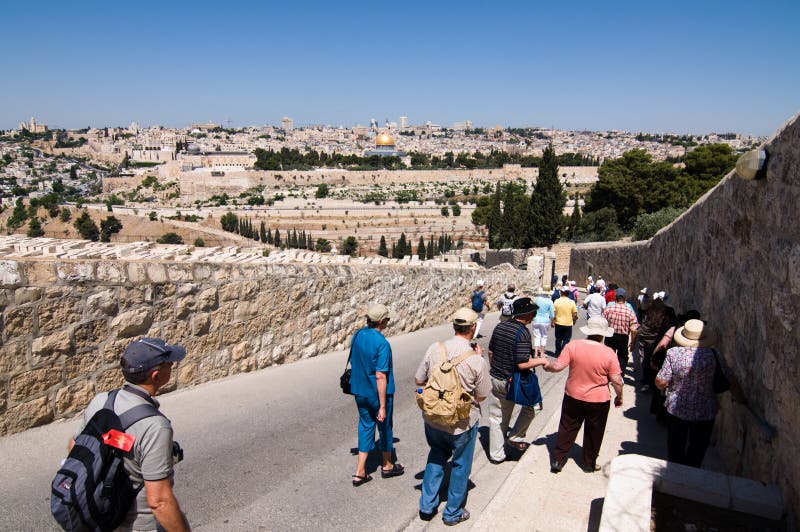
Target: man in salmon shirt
(592, 367)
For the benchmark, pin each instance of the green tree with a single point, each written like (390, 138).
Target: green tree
(456, 209)
(382, 251)
(65, 215)
(350, 246)
(647, 225)
(262, 232)
(276, 239)
(229, 222)
(170, 238)
(35, 228)
(152, 216)
(600, 226)
(323, 245)
(547, 203)
(86, 227)
(575, 219)
(18, 215)
(494, 221)
(634, 185)
(322, 191)
(108, 227)
(199, 243)
(445, 211)
(421, 248)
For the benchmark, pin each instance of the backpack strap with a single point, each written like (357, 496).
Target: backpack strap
(443, 352)
(462, 357)
(137, 413)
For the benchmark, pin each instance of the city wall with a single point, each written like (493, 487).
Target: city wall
(65, 322)
(735, 257)
(201, 183)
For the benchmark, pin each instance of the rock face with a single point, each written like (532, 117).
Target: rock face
(66, 321)
(735, 257)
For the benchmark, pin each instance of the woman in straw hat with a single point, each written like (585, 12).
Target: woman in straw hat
(688, 376)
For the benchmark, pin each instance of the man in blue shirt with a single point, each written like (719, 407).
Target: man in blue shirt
(372, 384)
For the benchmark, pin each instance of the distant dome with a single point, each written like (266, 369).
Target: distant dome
(194, 148)
(384, 139)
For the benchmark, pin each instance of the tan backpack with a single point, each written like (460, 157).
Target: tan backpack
(443, 402)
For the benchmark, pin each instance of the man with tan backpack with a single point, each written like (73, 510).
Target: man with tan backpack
(453, 379)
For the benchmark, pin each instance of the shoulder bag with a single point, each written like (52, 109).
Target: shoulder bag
(523, 385)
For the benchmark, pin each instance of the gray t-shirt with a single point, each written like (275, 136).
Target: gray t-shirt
(150, 458)
(473, 375)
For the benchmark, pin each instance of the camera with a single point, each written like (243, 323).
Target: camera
(177, 452)
(474, 345)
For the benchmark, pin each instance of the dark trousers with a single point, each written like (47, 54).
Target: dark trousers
(575, 413)
(619, 343)
(563, 336)
(687, 441)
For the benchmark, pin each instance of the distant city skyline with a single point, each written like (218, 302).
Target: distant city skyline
(681, 67)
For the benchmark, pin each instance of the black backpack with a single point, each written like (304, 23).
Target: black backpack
(92, 491)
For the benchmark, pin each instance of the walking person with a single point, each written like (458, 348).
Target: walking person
(594, 304)
(510, 349)
(505, 302)
(542, 323)
(478, 303)
(372, 385)
(456, 442)
(623, 320)
(566, 314)
(146, 365)
(592, 367)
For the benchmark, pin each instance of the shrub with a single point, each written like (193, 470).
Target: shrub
(647, 225)
(199, 243)
(170, 238)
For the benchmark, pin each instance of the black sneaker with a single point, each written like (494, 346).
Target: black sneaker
(461, 518)
(556, 466)
(427, 516)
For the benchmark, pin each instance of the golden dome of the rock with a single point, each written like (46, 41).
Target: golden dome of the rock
(384, 139)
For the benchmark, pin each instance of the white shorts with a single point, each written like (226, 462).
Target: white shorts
(540, 331)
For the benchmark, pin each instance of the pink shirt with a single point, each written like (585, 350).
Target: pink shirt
(591, 365)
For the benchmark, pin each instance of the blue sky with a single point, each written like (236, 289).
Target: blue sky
(678, 66)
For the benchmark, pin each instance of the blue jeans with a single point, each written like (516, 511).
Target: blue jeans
(563, 336)
(367, 421)
(443, 445)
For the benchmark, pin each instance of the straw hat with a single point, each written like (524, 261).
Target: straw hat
(597, 326)
(695, 334)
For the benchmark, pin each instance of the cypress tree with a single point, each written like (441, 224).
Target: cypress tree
(421, 249)
(494, 221)
(309, 242)
(262, 232)
(547, 203)
(394, 251)
(575, 219)
(277, 238)
(269, 236)
(382, 247)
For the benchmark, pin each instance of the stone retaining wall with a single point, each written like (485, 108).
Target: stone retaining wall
(735, 257)
(65, 322)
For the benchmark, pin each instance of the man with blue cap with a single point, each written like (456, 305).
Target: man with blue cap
(146, 365)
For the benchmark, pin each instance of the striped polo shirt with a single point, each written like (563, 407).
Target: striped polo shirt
(505, 356)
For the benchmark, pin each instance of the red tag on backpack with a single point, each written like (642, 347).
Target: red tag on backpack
(118, 439)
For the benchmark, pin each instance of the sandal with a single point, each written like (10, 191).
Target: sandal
(518, 445)
(357, 480)
(395, 471)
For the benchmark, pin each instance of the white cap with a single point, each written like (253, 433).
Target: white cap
(480, 282)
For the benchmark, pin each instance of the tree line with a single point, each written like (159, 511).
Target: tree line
(293, 159)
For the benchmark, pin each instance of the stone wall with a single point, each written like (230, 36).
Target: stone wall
(65, 322)
(735, 257)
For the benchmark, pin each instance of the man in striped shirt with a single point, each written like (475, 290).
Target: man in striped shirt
(510, 349)
(623, 319)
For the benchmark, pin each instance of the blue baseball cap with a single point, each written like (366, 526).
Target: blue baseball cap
(146, 353)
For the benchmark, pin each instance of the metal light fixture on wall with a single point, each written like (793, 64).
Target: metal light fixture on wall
(752, 165)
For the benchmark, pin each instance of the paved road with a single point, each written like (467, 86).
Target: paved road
(272, 450)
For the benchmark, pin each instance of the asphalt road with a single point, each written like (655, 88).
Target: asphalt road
(273, 450)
